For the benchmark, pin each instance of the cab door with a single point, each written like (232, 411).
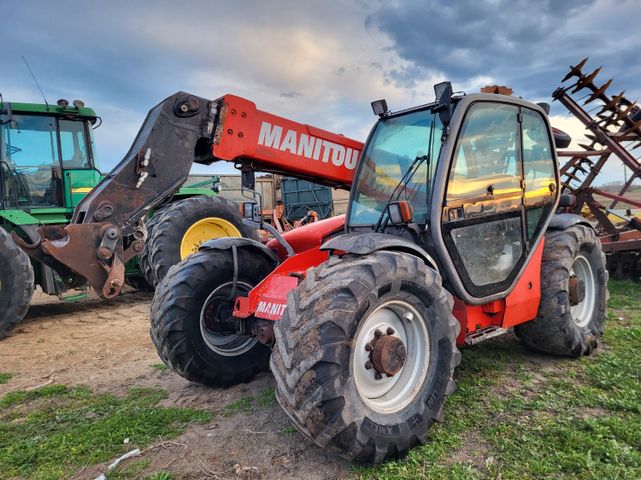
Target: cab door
(501, 190)
(483, 217)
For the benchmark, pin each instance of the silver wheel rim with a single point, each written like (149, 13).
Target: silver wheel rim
(392, 394)
(225, 345)
(582, 312)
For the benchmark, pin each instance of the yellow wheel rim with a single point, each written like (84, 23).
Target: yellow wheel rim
(203, 230)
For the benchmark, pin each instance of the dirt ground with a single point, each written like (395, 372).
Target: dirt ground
(106, 346)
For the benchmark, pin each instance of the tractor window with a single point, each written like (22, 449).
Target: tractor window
(538, 170)
(392, 150)
(485, 161)
(31, 153)
(73, 144)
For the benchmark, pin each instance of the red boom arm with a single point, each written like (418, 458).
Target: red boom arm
(275, 144)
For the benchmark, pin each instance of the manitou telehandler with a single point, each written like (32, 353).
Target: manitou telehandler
(451, 237)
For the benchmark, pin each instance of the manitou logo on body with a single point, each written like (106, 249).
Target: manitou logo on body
(307, 146)
(270, 308)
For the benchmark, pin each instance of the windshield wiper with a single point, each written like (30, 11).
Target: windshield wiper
(402, 182)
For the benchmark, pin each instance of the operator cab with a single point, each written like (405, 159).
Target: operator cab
(477, 178)
(46, 159)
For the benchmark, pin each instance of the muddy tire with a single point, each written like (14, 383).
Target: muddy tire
(571, 316)
(191, 322)
(16, 283)
(145, 257)
(169, 238)
(323, 382)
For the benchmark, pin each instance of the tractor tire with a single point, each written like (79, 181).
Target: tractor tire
(145, 257)
(191, 311)
(186, 224)
(570, 319)
(16, 283)
(332, 388)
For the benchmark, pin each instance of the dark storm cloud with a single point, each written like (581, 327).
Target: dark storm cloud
(528, 44)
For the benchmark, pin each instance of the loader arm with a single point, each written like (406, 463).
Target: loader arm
(107, 227)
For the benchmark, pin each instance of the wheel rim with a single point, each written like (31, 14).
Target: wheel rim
(583, 310)
(391, 394)
(217, 322)
(203, 230)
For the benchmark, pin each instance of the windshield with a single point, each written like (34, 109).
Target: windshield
(397, 144)
(30, 160)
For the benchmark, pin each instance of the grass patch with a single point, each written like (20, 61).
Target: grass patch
(129, 471)
(51, 432)
(518, 415)
(263, 399)
(161, 367)
(5, 377)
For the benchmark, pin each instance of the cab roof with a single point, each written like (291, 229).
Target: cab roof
(18, 107)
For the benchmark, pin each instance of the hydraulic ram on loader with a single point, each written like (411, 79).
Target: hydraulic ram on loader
(107, 228)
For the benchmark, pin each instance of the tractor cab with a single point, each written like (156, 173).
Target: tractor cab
(472, 179)
(46, 155)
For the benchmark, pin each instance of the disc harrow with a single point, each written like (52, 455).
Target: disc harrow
(614, 134)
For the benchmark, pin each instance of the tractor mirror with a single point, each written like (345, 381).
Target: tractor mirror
(443, 105)
(561, 139)
(400, 212)
(248, 179)
(250, 211)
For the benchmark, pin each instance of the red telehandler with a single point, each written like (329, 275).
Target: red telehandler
(452, 225)
(452, 236)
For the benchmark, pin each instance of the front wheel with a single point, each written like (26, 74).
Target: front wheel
(365, 354)
(574, 295)
(16, 283)
(192, 325)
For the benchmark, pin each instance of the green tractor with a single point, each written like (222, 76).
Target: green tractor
(47, 166)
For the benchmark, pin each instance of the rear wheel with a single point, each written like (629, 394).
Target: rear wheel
(187, 224)
(574, 295)
(16, 283)
(192, 325)
(365, 354)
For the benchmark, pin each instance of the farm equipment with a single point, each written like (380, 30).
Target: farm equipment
(107, 228)
(47, 167)
(614, 123)
(452, 225)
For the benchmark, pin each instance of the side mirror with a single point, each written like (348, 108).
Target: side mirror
(401, 212)
(443, 105)
(250, 211)
(561, 139)
(248, 179)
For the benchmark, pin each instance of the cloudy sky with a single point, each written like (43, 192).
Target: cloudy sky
(317, 62)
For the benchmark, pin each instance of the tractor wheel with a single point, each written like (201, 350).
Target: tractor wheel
(191, 318)
(145, 257)
(574, 295)
(188, 223)
(16, 283)
(365, 354)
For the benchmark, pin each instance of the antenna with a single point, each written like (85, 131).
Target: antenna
(36, 81)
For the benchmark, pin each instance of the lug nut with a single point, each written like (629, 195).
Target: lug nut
(377, 376)
(390, 331)
(377, 333)
(368, 365)
(368, 347)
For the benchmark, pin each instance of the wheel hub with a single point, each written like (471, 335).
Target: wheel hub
(576, 290)
(387, 353)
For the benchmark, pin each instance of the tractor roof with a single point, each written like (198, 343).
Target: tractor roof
(17, 107)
